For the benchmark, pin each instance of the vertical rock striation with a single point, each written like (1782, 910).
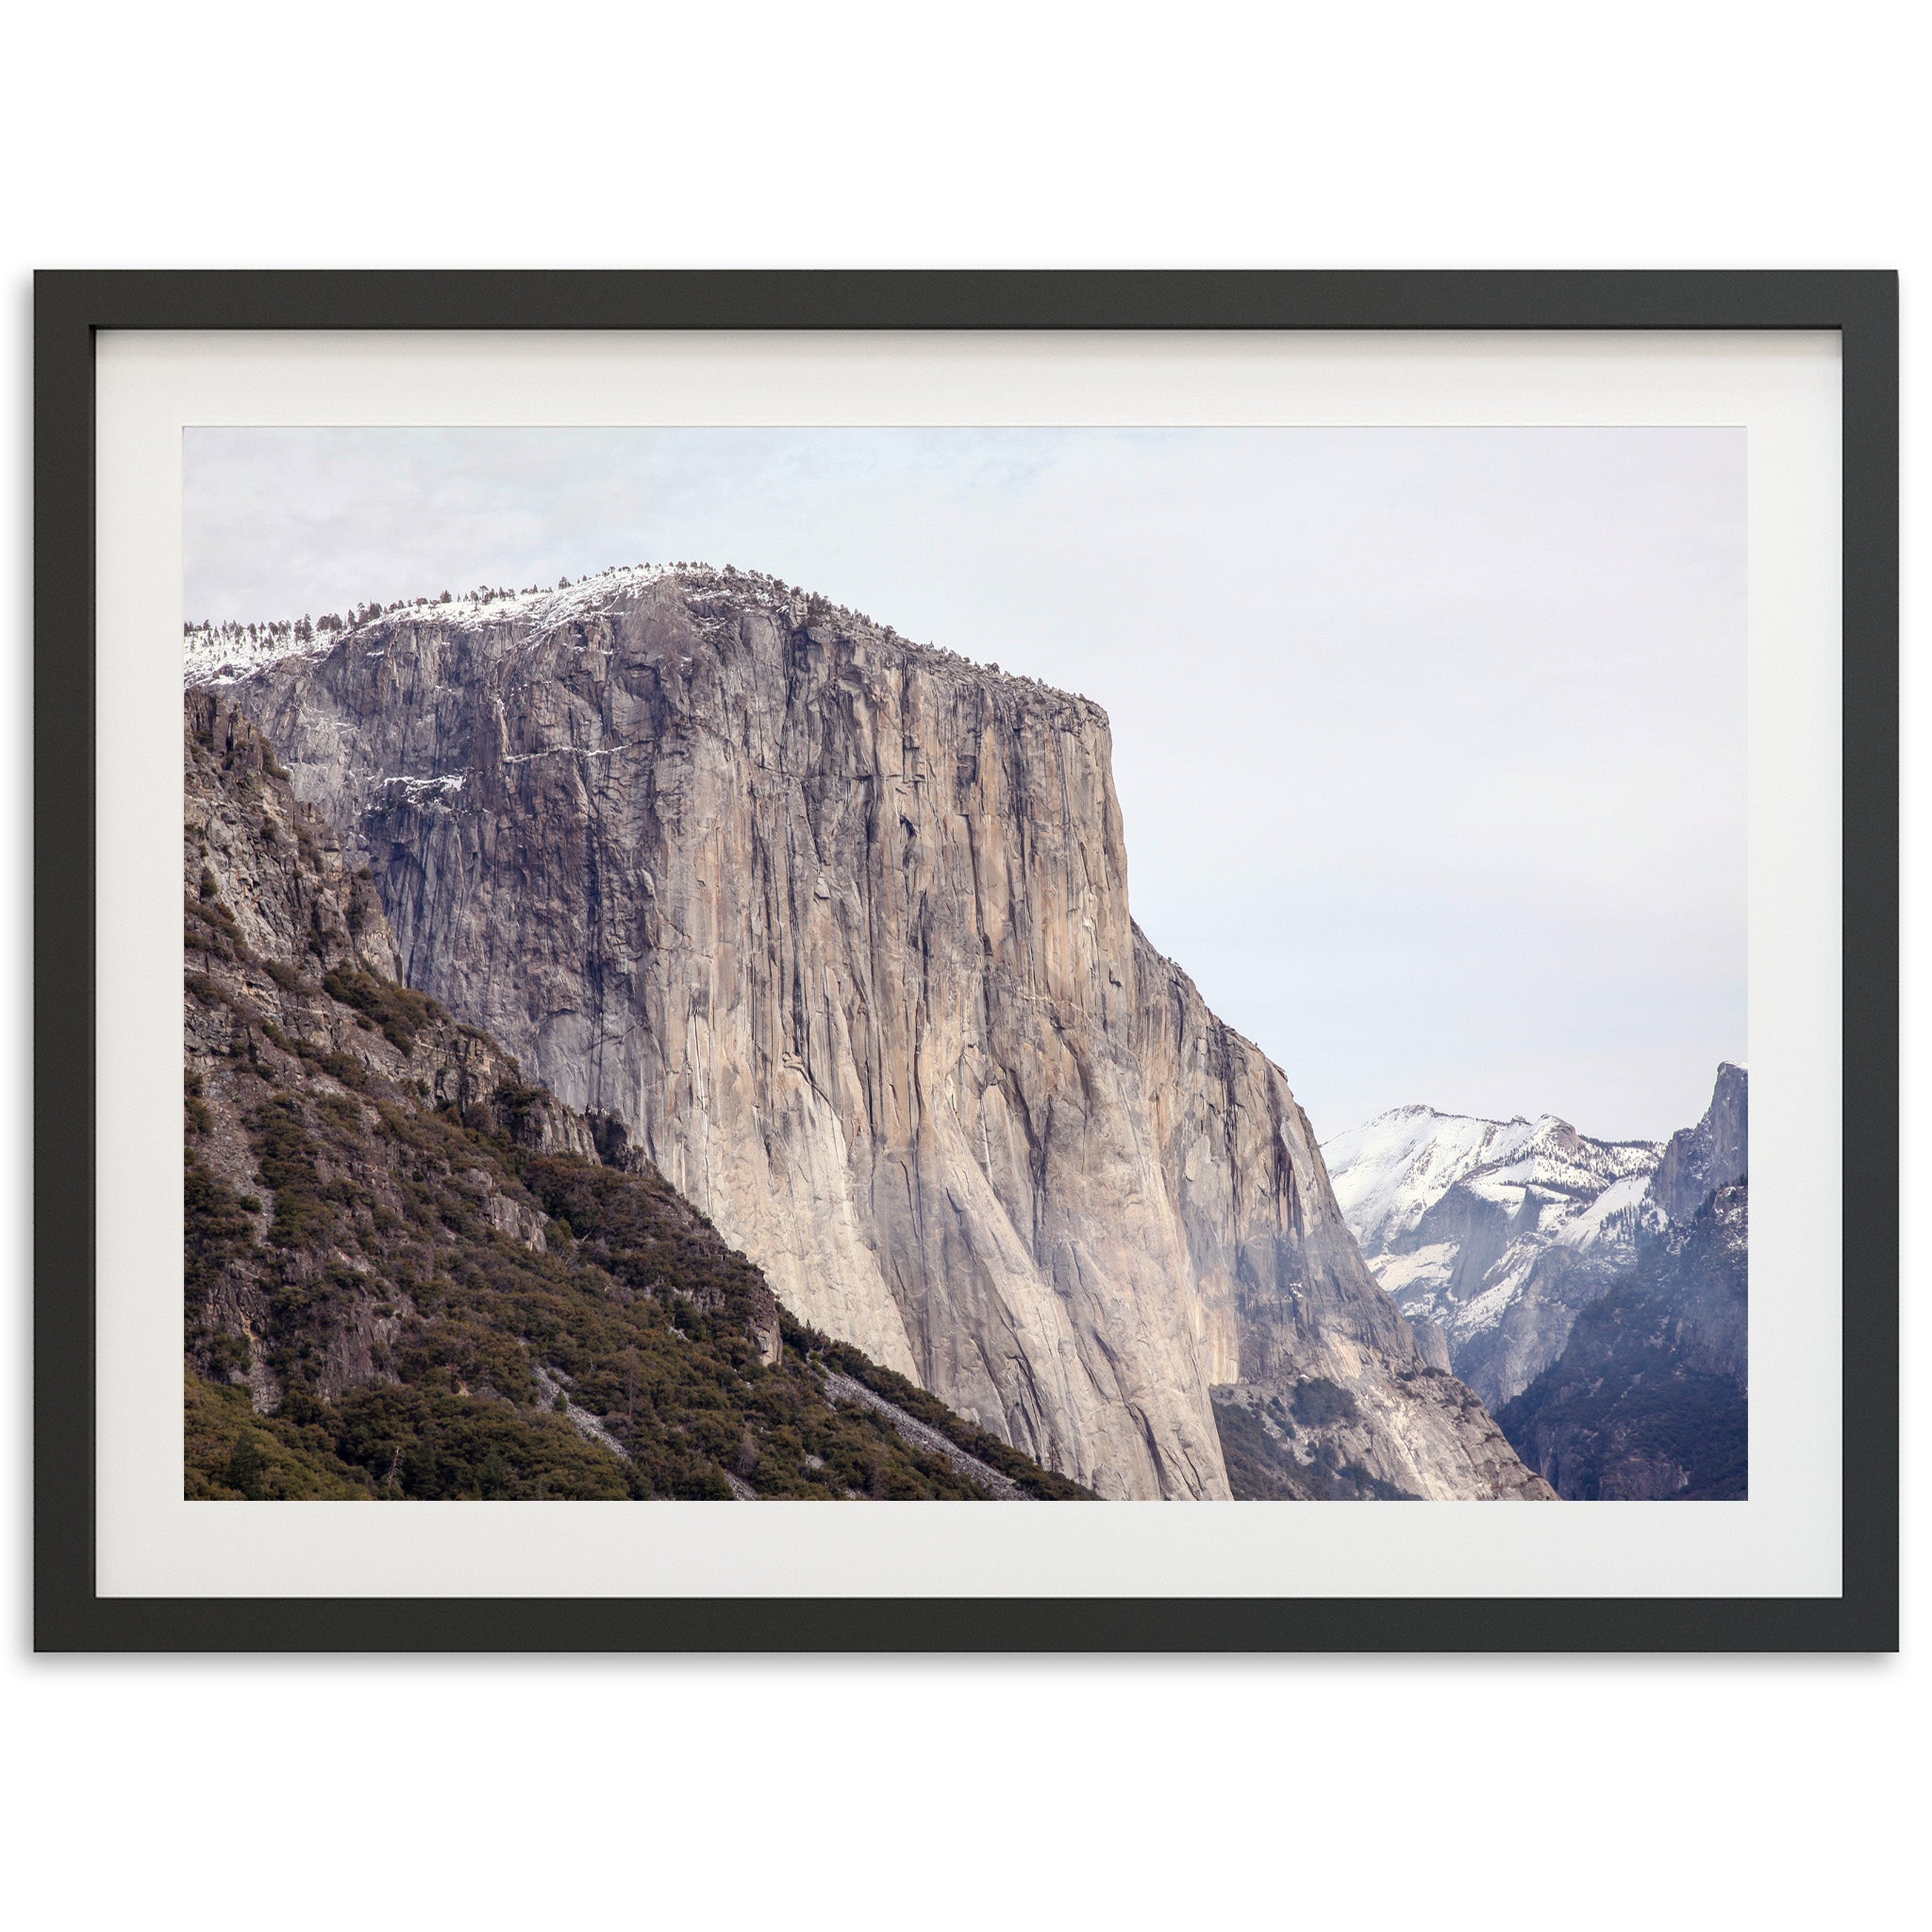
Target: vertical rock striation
(835, 929)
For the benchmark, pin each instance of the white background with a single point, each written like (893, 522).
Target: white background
(1471, 1791)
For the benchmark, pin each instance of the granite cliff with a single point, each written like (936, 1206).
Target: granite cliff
(832, 931)
(408, 1275)
(1713, 1153)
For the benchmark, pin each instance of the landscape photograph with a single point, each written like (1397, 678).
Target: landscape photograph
(1022, 964)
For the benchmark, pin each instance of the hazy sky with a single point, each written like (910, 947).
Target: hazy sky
(1430, 742)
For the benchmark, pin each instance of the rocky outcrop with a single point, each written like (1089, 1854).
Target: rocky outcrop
(1714, 1154)
(1312, 1439)
(833, 930)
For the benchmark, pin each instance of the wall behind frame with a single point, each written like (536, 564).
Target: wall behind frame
(1486, 135)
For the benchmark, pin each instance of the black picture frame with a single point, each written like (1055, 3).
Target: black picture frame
(72, 307)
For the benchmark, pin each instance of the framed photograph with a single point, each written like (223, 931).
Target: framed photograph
(1176, 896)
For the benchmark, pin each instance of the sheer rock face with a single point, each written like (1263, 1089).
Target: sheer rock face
(1714, 1154)
(836, 927)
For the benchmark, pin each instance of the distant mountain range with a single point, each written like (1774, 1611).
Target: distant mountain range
(1593, 1292)
(1497, 1232)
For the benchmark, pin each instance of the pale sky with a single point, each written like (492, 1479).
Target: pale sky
(1430, 742)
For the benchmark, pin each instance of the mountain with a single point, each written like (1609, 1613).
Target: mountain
(1499, 1231)
(1494, 1231)
(1649, 1399)
(406, 1271)
(832, 930)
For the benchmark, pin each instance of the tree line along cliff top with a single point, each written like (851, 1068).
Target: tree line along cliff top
(222, 652)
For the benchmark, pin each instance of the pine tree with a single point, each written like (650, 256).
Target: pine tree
(246, 1467)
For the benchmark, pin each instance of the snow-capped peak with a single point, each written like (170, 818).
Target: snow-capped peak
(1391, 1171)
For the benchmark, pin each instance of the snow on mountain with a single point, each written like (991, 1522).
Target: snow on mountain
(1500, 1231)
(1494, 1230)
(222, 654)
(1389, 1172)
